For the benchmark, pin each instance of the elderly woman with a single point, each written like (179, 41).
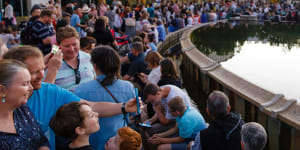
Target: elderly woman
(18, 128)
(107, 87)
(76, 67)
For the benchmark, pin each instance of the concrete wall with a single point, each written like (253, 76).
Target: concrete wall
(279, 116)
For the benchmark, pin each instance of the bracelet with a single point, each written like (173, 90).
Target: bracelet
(123, 108)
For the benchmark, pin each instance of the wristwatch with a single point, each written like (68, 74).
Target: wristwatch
(123, 108)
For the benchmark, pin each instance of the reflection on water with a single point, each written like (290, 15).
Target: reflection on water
(268, 56)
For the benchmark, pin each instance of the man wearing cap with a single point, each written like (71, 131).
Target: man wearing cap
(85, 14)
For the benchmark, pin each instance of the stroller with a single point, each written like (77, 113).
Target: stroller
(123, 44)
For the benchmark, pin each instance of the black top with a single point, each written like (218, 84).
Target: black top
(28, 134)
(138, 65)
(223, 133)
(104, 37)
(87, 147)
(164, 80)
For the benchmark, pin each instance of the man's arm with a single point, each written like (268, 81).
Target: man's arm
(127, 77)
(151, 120)
(47, 40)
(159, 138)
(81, 26)
(163, 120)
(106, 109)
(168, 133)
(44, 148)
(177, 139)
(53, 63)
(124, 59)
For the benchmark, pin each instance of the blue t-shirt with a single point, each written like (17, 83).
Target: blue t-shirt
(28, 133)
(93, 91)
(150, 10)
(153, 46)
(74, 20)
(161, 33)
(44, 102)
(190, 123)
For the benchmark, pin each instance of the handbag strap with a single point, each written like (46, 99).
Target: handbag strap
(124, 115)
(108, 91)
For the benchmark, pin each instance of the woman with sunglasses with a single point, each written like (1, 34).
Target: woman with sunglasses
(76, 67)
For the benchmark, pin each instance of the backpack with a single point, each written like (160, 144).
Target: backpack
(26, 35)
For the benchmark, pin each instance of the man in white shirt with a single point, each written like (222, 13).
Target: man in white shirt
(8, 14)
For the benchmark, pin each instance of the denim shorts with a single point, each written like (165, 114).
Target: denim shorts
(179, 146)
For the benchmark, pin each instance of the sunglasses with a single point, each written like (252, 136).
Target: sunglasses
(77, 76)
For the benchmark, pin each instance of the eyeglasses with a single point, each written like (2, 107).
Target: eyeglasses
(77, 76)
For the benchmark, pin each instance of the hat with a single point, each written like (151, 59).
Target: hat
(85, 9)
(64, 14)
(93, 5)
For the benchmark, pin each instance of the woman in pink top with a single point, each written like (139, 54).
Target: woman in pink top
(102, 9)
(94, 11)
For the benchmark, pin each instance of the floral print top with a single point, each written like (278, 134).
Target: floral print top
(28, 136)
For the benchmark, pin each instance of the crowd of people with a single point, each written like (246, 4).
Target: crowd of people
(69, 79)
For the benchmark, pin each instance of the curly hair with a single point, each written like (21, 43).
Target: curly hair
(130, 139)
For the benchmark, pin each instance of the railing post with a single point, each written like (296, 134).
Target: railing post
(274, 133)
(295, 139)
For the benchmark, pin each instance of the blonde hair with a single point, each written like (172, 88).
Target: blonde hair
(153, 58)
(65, 33)
(106, 20)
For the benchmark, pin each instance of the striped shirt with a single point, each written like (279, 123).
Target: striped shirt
(65, 77)
(41, 31)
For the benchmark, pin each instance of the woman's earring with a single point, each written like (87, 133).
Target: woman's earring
(3, 99)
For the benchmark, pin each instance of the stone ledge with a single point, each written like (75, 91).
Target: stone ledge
(285, 110)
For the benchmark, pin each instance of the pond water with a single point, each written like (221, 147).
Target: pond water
(266, 55)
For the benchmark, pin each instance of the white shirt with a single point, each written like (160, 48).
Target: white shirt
(9, 12)
(190, 21)
(174, 91)
(118, 21)
(154, 75)
(6, 38)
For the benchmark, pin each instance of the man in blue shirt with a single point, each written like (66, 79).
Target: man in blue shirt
(47, 98)
(75, 20)
(188, 123)
(138, 64)
(161, 31)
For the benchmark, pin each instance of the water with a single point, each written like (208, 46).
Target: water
(268, 56)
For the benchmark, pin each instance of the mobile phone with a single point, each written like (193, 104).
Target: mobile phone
(145, 125)
(54, 49)
(137, 101)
